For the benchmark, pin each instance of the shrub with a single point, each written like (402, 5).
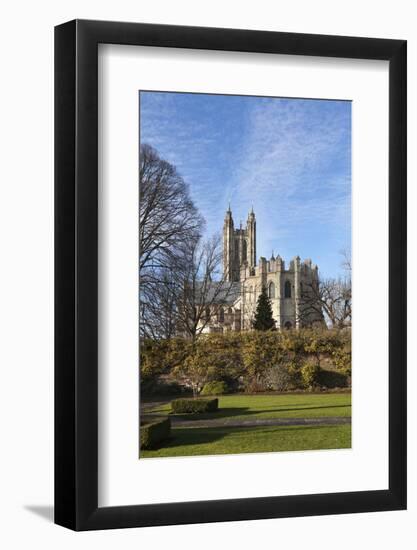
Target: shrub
(310, 373)
(154, 432)
(161, 387)
(194, 406)
(333, 379)
(218, 387)
(260, 352)
(245, 360)
(160, 356)
(211, 358)
(278, 378)
(342, 357)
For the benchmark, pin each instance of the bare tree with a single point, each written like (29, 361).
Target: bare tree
(202, 286)
(331, 297)
(346, 262)
(168, 222)
(249, 304)
(158, 306)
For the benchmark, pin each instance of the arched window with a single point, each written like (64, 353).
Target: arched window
(271, 290)
(288, 325)
(287, 289)
(207, 313)
(244, 251)
(221, 315)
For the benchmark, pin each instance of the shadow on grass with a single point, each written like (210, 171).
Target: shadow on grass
(183, 437)
(230, 412)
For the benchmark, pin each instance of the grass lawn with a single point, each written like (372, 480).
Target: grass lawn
(244, 406)
(213, 441)
(189, 441)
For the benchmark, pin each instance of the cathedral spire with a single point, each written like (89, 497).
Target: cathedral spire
(228, 215)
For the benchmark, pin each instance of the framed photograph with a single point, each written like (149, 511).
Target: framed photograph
(230, 252)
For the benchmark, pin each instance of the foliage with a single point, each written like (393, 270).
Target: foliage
(333, 379)
(260, 352)
(279, 378)
(343, 357)
(161, 387)
(253, 360)
(217, 387)
(214, 357)
(263, 314)
(194, 406)
(310, 373)
(160, 356)
(151, 434)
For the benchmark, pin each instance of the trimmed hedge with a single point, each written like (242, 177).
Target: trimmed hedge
(154, 432)
(214, 388)
(194, 406)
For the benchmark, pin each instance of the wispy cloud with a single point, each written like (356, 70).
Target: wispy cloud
(289, 158)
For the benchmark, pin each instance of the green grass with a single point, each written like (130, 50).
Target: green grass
(191, 441)
(213, 441)
(274, 406)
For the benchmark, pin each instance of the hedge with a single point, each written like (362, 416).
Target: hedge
(333, 379)
(217, 387)
(154, 432)
(194, 406)
(244, 360)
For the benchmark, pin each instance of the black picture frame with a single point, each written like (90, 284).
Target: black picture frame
(76, 272)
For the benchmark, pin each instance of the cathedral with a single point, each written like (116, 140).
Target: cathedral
(290, 289)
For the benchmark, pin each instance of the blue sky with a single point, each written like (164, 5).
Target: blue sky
(289, 158)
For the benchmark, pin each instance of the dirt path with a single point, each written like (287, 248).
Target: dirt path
(252, 423)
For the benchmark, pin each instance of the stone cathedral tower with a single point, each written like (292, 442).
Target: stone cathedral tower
(291, 289)
(239, 246)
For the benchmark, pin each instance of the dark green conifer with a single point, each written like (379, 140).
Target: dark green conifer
(263, 315)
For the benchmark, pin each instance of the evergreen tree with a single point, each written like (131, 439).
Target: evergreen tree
(263, 315)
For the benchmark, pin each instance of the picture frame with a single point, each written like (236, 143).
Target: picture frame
(76, 274)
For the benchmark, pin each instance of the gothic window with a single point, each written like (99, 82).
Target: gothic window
(207, 313)
(287, 289)
(288, 325)
(221, 315)
(244, 251)
(237, 250)
(271, 290)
